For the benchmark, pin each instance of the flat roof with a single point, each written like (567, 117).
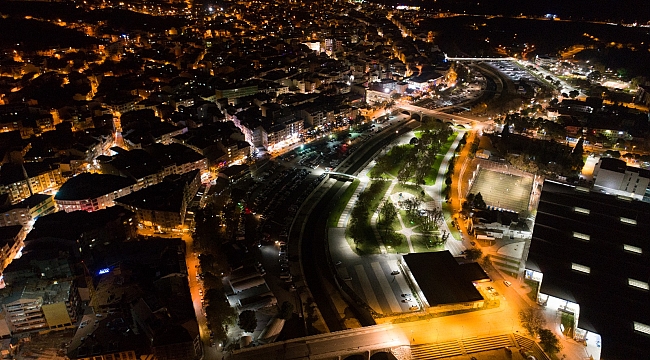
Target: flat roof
(91, 186)
(441, 279)
(606, 236)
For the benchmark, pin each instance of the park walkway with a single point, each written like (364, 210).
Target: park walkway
(375, 216)
(435, 191)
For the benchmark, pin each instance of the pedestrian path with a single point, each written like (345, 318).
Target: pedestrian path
(406, 232)
(375, 216)
(435, 191)
(345, 215)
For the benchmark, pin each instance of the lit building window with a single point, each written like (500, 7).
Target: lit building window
(628, 221)
(642, 328)
(638, 284)
(581, 236)
(581, 268)
(634, 249)
(581, 210)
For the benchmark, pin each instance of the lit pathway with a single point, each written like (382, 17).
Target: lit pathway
(406, 232)
(345, 215)
(375, 216)
(435, 191)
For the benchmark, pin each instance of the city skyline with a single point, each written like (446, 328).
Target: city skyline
(337, 180)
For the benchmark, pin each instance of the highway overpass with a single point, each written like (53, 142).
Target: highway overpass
(436, 114)
(480, 58)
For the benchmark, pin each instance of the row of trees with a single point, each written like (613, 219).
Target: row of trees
(539, 156)
(522, 124)
(248, 321)
(359, 227)
(473, 201)
(207, 239)
(533, 321)
(414, 161)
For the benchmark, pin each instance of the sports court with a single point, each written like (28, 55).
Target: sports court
(501, 190)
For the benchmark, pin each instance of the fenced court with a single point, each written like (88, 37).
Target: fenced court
(503, 190)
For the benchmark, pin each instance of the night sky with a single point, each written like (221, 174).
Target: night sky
(614, 10)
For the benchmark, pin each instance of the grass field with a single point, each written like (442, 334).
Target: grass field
(415, 190)
(503, 191)
(432, 174)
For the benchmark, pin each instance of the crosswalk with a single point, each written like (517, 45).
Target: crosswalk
(462, 347)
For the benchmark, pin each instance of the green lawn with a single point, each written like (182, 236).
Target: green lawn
(364, 248)
(369, 245)
(375, 201)
(432, 174)
(415, 190)
(408, 222)
(420, 244)
(341, 203)
(446, 210)
(394, 170)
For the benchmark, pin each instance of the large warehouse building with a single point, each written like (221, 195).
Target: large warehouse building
(591, 254)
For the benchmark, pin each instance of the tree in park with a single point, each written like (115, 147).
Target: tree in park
(479, 203)
(286, 311)
(247, 320)
(549, 342)
(574, 93)
(473, 254)
(388, 214)
(532, 320)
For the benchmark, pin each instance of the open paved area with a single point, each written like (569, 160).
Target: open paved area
(501, 190)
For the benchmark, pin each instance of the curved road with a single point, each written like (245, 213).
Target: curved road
(314, 236)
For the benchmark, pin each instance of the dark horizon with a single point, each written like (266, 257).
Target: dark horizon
(603, 10)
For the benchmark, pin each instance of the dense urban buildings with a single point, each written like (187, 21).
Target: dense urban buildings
(311, 179)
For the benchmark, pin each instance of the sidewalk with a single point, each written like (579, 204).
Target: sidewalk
(345, 215)
(435, 191)
(375, 216)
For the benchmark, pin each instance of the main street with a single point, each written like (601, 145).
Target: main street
(502, 320)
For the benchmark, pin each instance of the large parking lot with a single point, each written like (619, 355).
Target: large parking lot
(514, 72)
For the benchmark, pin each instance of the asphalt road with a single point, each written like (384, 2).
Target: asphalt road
(313, 249)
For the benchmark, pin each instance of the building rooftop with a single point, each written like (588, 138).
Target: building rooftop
(592, 249)
(107, 335)
(165, 196)
(29, 203)
(8, 234)
(442, 279)
(620, 166)
(91, 186)
(51, 291)
(12, 173)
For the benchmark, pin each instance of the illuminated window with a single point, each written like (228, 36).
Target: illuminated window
(581, 268)
(581, 210)
(638, 284)
(642, 328)
(581, 236)
(634, 249)
(628, 221)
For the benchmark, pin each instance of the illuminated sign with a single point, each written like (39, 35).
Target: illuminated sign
(104, 271)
